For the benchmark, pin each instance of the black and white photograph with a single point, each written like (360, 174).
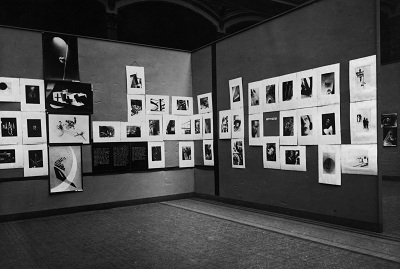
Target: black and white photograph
(329, 164)
(237, 123)
(327, 83)
(154, 127)
(389, 120)
(106, 131)
(238, 156)
(182, 105)
(171, 127)
(204, 102)
(70, 129)
(208, 126)
(271, 94)
(363, 122)
(362, 76)
(390, 136)
(34, 128)
(288, 93)
(236, 93)
(35, 160)
(271, 152)
(287, 90)
(11, 129)
(136, 107)
(186, 154)
(156, 156)
(32, 95)
(135, 83)
(133, 131)
(255, 90)
(197, 121)
(288, 127)
(256, 129)
(225, 125)
(208, 152)
(293, 158)
(157, 104)
(305, 85)
(308, 128)
(11, 156)
(9, 90)
(329, 124)
(359, 159)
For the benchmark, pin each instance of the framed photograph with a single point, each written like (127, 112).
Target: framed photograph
(305, 85)
(35, 160)
(329, 120)
(329, 169)
(390, 136)
(186, 154)
(154, 126)
(362, 77)
(293, 158)
(34, 128)
(9, 90)
(64, 97)
(288, 127)
(208, 152)
(134, 130)
(256, 129)
(204, 102)
(237, 123)
(11, 156)
(65, 169)
(68, 129)
(208, 127)
(308, 132)
(271, 123)
(238, 156)
(156, 156)
(186, 128)
(255, 97)
(328, 84)
(157, 104)
(363, 122)
(225, 125)
(271, 152)
(389, 120)
(136, 107)
(287, 94)
(197, 126)
(106, 131)
(135, 83)
(11, 130)
(139, 156)
(32, 94)
(60, 57)
(171, 127)
(270, 94)
(236, 93)
(182, 105)
(359, 159)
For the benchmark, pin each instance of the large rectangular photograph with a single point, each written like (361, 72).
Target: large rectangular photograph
(65, 129)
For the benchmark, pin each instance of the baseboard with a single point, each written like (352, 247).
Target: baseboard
(70, 210)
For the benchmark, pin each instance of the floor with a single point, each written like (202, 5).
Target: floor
(188, 233)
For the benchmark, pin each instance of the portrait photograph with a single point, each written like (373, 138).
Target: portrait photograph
(238, 156)
(362, 77)
(255, 90)
(293, 158)
(69, 129)
(236, 93)
(197, 121)
(287, 92)
(329, 121)
(389, 120)
(156, 155)
(34, 129)
(182, 105)
(288, 127)
(32, 95)
(271, 154)
(308, 131)
(9, 90)
(157, 104)
(359, 159)
(208, 126)
(271, 94)
(328, 84)
(11, 129)
(329, 164)
(135, 83)
(186, 154)
(136, 107)
(390, 136)
(35, 160)
(256, 129)
(106, 131)
(305, 85)
(208, 152)
(204, 102)
(237, 123)
(225, 125)
(363, 125)
(11, 156)
(154, 126)
(171, 127)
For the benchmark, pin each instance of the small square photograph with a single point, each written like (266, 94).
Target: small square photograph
(270, 94)
(32, 95)
(237, 123)
(11, 156)
(208, 152)
(157, 104)
(9, 89)
(182, 105)
(271, 152)
(156, 155)
(171, 127)
(236, 93)
(208, 126)
(390, 136)
(70, 129)
(389, 120)
(186, 154)
(238, 157)
(136, 106)
(327, 83)
(135, 82)
(293, 158)
(10, 128)
(204, 102)
(225, 117)
(362, 77)
(106, 131)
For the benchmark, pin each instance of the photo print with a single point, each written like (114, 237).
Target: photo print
(287, 94)
(238, 157)
(136, 107)
(186, 154)
(363, 122)
(389, 120)
(60, 57)
(359, 159)
(293, 158)
(106, 131)
(305, 85)
(225, 130)
(328, 84)
(182, 105)
(35, 160)
(134, 130)
(255, 97)
(208, 152)
(390, 136)
(9, 90)
(237, 123)
(271, 94)
(329, 169)
(68, 129)
(204, 102)
(32, 94)
(308, 131)
(11, 156)
(11, 130)
(171, 127)
(329, 121)
(236, 93)
(135, 83)
(271, 158)
(271, 123)
(156, 155)
(154, 125)
(157, 104)
(362, 77)
(256, 129)
(64, 97)
(197, 121)
(208, 126)
(65, 169)
(34, 129)
(288, 127)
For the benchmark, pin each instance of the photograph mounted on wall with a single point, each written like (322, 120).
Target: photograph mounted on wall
(208, 152)
(390, 136)
(135, 83)
(308, 131)
(134, 130)
(236, 93)
(389, 120)
(271, 94)
(154, 127)
(156, 155)
(136, 106)
(106, 131)
(256, 129)
(237, 123)
(170, 127)
(255, 97)
(288, 127)
(238, 156)
(197, 121)
(68, 129)
(362, 77)
(329, 121)
(35, 160)
(32, 95)
(11, 156)
(288, 94)
(182, 105)
(363, 123)
(204, 102)
(293, 158)
(359, 159)
(225, 125)
(157, 104)
(208, 126)
(60, 57)
(329, 168)
(328, 84)
(34, 128)
(271, 158)
(9, 90)
(305, 84)
(10, 128)
(186, 154)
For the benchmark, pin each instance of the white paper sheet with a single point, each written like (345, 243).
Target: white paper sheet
(256, 129)
(154, 127)
(197, 121)
(32, 95)
(271, 152)
(328, 84)
(10, 91)
(134, 130)
(306, 87)
(135, 82)
(186, 128)
(293, 158)
(182, 105)
(236, 93)
(271, 98)
(225, 124)
(208, 127)
(363, 122)
(288, 94)
(186, 154)
(359, 159)
(329, 127)
(171, 127)
(362, 77)
(35, 160)
(204, 103)
(256, 92)
(329, 168)
(308, 128)
(106, 131)
(34, 130)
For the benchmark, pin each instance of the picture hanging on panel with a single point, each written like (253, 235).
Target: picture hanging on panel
(197, 126)
(68, 129)
(186, 154)
(157, 104)
(182, 105)
(305, 84)
(64, 97)
(106, 131)
(271, 94)
(208, 126)
(359, 159)
(238, 157)
(293, 158)
(11, 156)
(136, 107)
(186, 128)
(11, 130)
(329, 169)
(389, 120)
(256, 129)
(208, 152)
(134, 130)
(362, 76)
(287, 93)
(135, 83)
(329, 121)
(204, 102)
(255, 97)
(171, 127)
(308, 129)
(112, 157)
(60, 57)
(65, 169)
(328, 84)
(225, 125)
(237, 123)
(139, 156)
(363, 123)
(9, 90)
(154, 126)
(390, 136)
(156, 156)
(35, 160)
(288, 130)
(32, 94)
(271, 123)
(236, 93)
(34, 129)
(271, 152)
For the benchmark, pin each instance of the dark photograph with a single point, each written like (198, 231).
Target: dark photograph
(35, 158)
(271, 152)
(8, 127)
(186, 153)
(182, 105)
(389, 120)
(197, 129)
(170, 127)
(225, 124)
(255, 97)
(204, 103)
(208, 152)
(207, 126)
(32, 95)
(34, 127)
(287, 90)
(133, 131)
(306, 125)
(106, 131)
(288, 126)
(328, 163)
(157, 104)
(292, 157)
(255, 128)
(270, 94)
(7, 156)
(328, 124)
(237, 153)
(306, 87)
(390, 136)
(156, 153)
(154, 127)
(328, 83)
(237, 123)
(235, 94)
(136, 106)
